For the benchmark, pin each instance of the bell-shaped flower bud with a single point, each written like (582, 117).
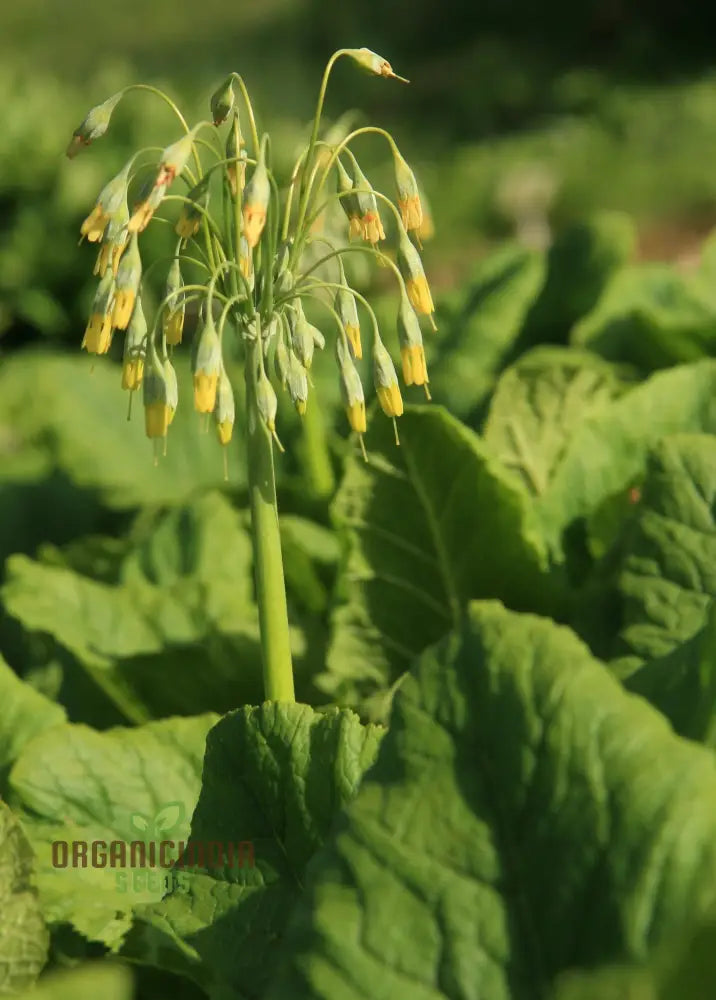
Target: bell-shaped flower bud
(281, 360)
(135, 349)
(348, 199)
(348, 312)
(411, 209)
(206, 366)
(175, 157)
(236, 154)
(370, 225)
(149, 201)
(351, 387)
(175, 307)
(94, 125)
(303, 340)
(129, 274)
(411, 268)
(297, 379)
(193, 210)
(156, 393)
(111, 199)
(222, 101)
(116, 238)
(98, 335)
(256, 199)
(374, 63)
(412, 352)
(266, 402)
(172, 389)
(225, 408)
(386, 381)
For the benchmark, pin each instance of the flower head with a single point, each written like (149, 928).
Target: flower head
(115, 240)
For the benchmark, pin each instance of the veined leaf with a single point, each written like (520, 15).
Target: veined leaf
(25, 713)
(428, 525)
(87, 982)
(668, 580)
(514, 826)
(274, 779)
(539, 403)
(23, 937)
(65, 786)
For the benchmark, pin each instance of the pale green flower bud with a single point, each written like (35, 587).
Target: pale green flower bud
(222, 101)
(374, 63)
(94, 125)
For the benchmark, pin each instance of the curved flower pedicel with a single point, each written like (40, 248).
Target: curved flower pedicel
(256, 254)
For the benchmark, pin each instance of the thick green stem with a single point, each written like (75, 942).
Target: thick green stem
(268, 562)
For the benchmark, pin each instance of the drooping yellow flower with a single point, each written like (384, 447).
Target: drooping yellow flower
(255, 201)
(135, 349)
(419, 294)
(98, 335)
(415, 370)
(146, 207)
(129, 274)
(95, 224)
(156, 419)
(386, 381)
(206, 367)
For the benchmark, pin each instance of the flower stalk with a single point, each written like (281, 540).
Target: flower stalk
(255, 264)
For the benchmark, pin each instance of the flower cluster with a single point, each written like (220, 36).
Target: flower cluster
(256, 263)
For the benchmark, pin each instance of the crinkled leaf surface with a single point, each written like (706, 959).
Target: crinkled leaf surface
(514, 825)
(668, 580)
(609, 449)
(274, 776)
(177, 632)
(23, 937)
(482, 331)
(428, 525)
(23, 714)
(537, 406)
(72, 783)
(682, 684)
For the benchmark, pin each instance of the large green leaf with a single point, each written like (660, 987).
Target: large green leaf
(652, 317)
(609, 449)
(24, 714)
(537, 406)
(482, 331)
(23, 937)
(176, 633)
(60, 416)
(668, 579)
(428, 525)
(73, 784)
(514, 825)
(682, 684)
(274, 777)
